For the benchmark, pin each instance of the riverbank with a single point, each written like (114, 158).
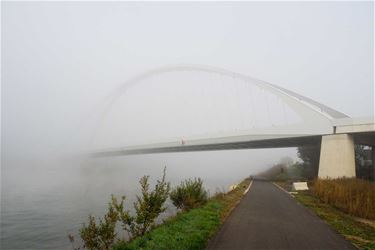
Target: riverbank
(192, 229)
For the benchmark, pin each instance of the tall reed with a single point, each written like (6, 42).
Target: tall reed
(351, 195)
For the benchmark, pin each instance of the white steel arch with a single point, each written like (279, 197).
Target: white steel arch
(336, 131)
(319, 117)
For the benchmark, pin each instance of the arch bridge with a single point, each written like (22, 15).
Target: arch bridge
(336, 132)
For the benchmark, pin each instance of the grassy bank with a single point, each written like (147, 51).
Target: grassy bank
(351, 195)
(360, 234)
(192, 229)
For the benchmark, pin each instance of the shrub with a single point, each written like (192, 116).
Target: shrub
(189, 194)
(101, 236)
(351, 195)
(147, 207)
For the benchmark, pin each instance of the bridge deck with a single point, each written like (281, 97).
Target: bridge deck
(224, 143)
(363, 133)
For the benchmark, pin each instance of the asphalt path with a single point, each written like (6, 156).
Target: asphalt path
(268, 218)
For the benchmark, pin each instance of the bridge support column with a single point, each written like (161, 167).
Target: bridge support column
(337, 157)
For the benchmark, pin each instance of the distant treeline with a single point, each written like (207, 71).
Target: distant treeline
(308, 166)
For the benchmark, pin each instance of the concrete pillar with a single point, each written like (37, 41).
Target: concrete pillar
(337, 157)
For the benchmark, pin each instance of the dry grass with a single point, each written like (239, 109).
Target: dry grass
(231, 199)
(360, 234)
(351, 195)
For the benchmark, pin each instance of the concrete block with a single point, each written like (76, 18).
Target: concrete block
(300, 186)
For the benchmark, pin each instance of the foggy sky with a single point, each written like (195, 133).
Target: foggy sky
(60, 60)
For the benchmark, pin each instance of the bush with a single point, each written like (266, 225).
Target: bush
(148, 207)
(351, 195)
(189, 194)
(101, 236)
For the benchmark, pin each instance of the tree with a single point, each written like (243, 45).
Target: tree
(286, 161)
(310, 156)
(360, 155)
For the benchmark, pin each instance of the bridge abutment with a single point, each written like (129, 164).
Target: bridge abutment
(337, 156)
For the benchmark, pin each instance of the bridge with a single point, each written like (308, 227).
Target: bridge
(336, 132)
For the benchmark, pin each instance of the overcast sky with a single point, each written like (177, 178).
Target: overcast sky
(60, 60)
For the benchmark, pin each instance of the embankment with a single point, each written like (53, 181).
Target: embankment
(192, 229)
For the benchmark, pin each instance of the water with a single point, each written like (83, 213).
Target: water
(41, 205)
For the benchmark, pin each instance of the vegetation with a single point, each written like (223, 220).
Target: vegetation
(189, 194)
(284, 170)
(100, 236)
(364, 167)
(147, 208)
(360, 234)
(310, 160)
(337, 201)
(191, 229)
(232, 198)
(185, 231)
(307, 168)
(351, 195)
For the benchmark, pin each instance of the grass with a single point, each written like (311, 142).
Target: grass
(351, 195)
(192, 229)
(360, 234)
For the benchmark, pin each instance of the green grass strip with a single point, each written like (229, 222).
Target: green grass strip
(190, 230)
(186, 231)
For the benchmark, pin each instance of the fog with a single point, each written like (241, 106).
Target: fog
(63, 61)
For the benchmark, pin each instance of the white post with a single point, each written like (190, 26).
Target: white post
(337, 157)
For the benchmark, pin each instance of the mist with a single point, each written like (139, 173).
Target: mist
(62, 62)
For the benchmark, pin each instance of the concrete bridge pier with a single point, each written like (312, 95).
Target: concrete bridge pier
(337, 156)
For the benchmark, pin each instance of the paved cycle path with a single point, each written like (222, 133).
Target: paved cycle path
(268, 218)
